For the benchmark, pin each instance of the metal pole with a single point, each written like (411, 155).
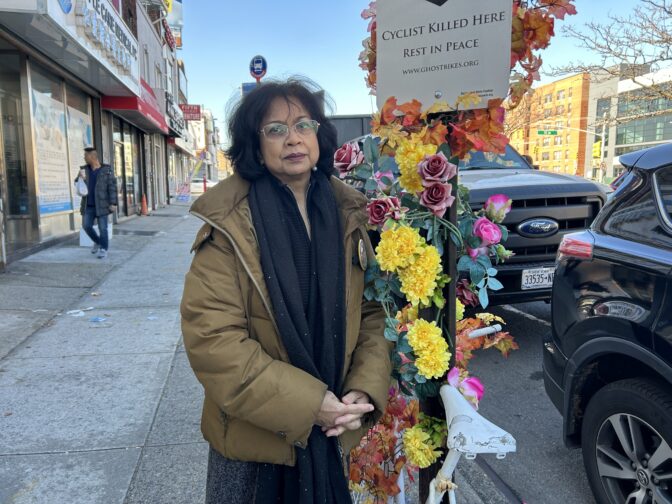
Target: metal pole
(603, 168)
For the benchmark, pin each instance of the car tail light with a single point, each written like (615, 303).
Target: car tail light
(580, 247)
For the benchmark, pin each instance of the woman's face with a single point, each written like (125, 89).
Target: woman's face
(290, 158)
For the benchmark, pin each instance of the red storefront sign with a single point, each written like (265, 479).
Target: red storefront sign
(143, 110)
(191, 112)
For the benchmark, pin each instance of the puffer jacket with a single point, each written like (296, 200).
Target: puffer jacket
(257, 406)
(105, 190)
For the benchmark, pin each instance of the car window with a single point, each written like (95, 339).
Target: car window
(637, 219)
(476, 160)
(664, 193)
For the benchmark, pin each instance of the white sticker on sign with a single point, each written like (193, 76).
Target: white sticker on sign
(440, 50)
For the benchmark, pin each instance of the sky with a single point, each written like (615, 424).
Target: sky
(317, 39)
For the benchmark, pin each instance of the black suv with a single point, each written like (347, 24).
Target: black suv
(608, 359)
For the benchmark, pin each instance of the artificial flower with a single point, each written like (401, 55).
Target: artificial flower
(398, 248)
(418, 279)
(487, 231)
(497, 207)
(430, 348)
(471, 388)
(437, 197)
(436, 168)
(410, 152)
(419, 448)
(347, 157)
(381, 209)
(465, 294)
(475, 252)
(459, 310)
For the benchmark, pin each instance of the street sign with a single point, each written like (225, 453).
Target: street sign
(247, 87)
(258, 67)
(547, 132)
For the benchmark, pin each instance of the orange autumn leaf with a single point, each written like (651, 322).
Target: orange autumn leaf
(559, 8)
(503, 342)
(538, 28)
(436, 134)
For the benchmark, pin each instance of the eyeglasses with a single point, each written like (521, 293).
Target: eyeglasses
(280, 131)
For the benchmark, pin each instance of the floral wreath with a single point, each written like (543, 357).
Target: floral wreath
(408, 170)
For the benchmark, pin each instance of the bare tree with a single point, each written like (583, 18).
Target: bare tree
(629, 47)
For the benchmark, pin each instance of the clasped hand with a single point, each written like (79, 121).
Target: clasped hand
(336, 416)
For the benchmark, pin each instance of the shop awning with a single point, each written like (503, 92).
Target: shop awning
(143, 111)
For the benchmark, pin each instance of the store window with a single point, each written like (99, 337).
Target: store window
(80, 130)
(11, 127)
(49, 130)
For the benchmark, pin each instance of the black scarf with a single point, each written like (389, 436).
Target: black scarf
(305, 280)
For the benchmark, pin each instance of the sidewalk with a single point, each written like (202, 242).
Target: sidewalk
(103, 407)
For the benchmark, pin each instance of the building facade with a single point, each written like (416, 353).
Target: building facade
(558, 119)
(75, 74)
(626, 116)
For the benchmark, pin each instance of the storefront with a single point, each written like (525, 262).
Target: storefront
(57, 59)
(136, 162)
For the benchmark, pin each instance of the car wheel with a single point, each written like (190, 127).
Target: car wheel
(626, 443)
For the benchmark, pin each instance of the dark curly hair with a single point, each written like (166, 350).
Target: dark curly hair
(245, 124)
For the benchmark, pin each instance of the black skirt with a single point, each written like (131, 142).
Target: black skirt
(230, 481)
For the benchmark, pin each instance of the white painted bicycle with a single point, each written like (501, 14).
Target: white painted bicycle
(469, 434)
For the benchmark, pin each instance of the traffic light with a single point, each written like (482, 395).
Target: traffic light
(597, 149)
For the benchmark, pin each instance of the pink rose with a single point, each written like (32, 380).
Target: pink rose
(381, 209)
(474, 253)
(436, 168)
(487, 231)
(471, 388)
(497, 207)
(347, 157)
(437, 197)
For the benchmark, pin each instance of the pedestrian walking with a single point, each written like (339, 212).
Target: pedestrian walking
(293, 361)
(100, 201)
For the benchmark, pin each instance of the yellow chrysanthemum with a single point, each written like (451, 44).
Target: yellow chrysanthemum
(422, 334)
(459, 310)
(430, 348)
(418, 280)
(398, 248)
(433, 364)
(409, 153)
(419, 448)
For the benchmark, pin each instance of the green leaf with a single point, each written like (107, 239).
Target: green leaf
(505, 233)
(484, 261)
(445, 149)
(387, 163)
(439, 300)
(494, 284)
(387, 181)
(427, 390)
(371, 185)
(395, 286)
(483, 298)
(391, 334)
(420, 379)
(476, 272)
(403, 346)
(492, 272)
(370, 150)
(464, 263)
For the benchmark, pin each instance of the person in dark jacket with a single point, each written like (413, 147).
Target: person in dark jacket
(100, 202)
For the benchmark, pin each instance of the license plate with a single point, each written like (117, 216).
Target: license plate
(538, 278)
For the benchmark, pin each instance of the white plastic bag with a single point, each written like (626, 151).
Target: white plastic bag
(81, 187)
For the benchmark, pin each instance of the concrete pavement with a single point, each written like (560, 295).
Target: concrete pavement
(97, 400)
(100, 407)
